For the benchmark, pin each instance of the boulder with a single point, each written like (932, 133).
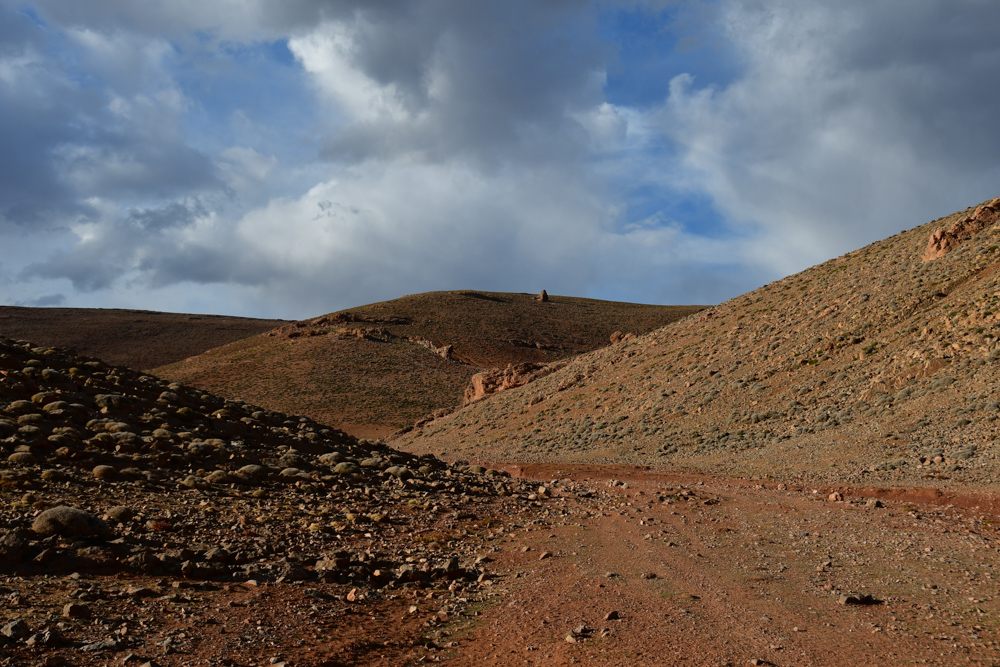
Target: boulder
(219, 477)
(70, 522)
(120, 514)
(12, 547)
(345, 468)
(22, 458)
(105, 473)
(252, 472)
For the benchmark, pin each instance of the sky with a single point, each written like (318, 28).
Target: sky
(289, 159)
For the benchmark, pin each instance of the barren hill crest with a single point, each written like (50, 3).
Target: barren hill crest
(375, 369)
(874, 366)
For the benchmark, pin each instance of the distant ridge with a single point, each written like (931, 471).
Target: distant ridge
(378, 368)
(140, 339)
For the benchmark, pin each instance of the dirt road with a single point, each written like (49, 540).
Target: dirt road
(609, 566)
(716, 572)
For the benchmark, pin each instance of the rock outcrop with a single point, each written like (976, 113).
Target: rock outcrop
(943, 240)
(500, 379)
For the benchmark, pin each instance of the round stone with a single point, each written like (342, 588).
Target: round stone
(70, 522)
(252, 471)
(219, 477)
(22, 458)
(105, 473)
(121, 514)
(345, 468)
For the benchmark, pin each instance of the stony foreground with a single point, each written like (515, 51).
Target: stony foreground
(620, 567)
(130, 505)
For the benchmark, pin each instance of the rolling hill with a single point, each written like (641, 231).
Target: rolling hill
(378, 368)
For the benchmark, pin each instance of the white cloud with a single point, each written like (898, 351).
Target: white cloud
(473, 145)
(386, 229)
(244, 169)
(328, 54)
(606, 127)
(130, 60)
(836, 133)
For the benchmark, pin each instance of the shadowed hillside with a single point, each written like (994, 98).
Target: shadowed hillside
(378, 368)
(880, 365)
(134, 338)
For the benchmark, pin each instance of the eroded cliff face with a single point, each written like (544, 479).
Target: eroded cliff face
(963, 229)
(500, 379)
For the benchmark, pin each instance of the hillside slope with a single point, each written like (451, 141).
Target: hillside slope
(378, 368)
(135, 338)
(877, 366)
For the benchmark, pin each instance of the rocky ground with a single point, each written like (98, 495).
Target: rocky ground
(659, 569)
(151, 520)
(146, 523)
(609, 565)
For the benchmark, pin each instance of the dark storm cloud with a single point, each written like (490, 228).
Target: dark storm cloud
(47, 301)
(31, 189)
(172, 215)
(63, 144)
(489, 81)
(98, 264)
(142, 238)
(933, 63)
(178, 19)
(203, 265)
(89, 266)
(130, 167)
